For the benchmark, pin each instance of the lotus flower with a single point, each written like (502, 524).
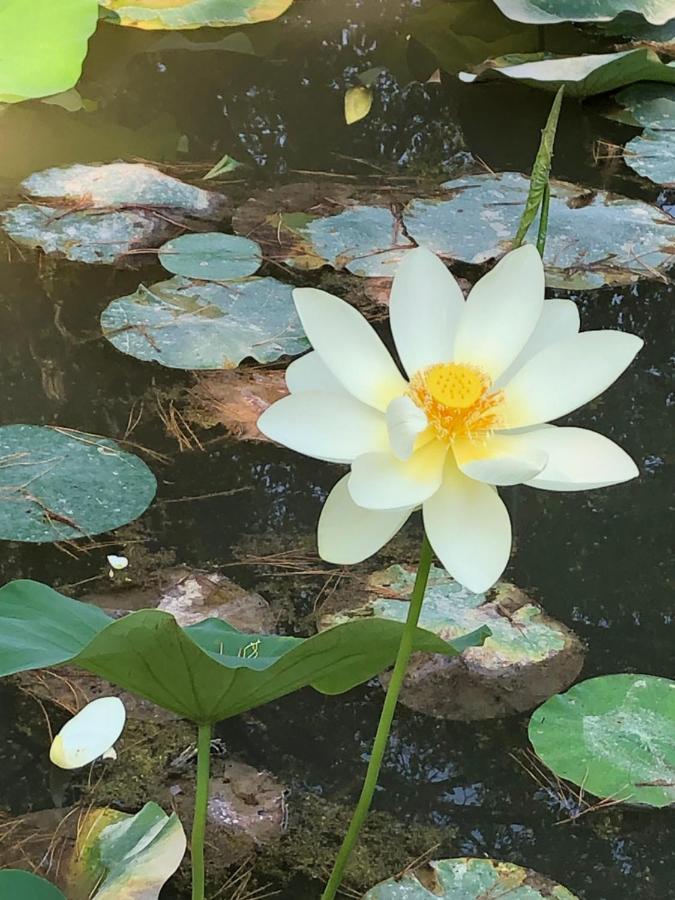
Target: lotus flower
(484, 377)
(89, 735)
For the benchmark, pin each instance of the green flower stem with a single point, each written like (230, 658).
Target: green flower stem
(199, 818)
(384, 726)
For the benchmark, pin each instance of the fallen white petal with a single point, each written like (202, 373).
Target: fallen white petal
(469, 529)
(89, 734)
(424, 308)
(500, 459)
(578, 459)
(349, 347)
(565, 375)
(349, 533)
(110, 753)
(308, 373)
(501, 312)
(117, 562)
(333, 427)
(405, 422)
(559, 319)
(381, 481)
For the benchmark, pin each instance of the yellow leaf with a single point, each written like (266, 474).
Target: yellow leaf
(358, 101)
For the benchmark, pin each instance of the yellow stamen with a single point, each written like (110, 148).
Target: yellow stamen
(457, 401)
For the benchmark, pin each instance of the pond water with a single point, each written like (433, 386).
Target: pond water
(597, 561)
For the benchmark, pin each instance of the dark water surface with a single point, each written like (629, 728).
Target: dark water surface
(597, 561)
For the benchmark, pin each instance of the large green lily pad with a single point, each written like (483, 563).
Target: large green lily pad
(182, 14)
(60, 485)
(651, 154)
(20, 885)
(547, 12)
(615, 735)
(205, 672)
(594, 237)
(123, 857)
(466, 878)
(583, 76)
(527, 657)
(188, 324)
(43, 46)
(212, 257)
(108, 213)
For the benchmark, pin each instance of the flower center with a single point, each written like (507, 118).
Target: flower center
(457, 400)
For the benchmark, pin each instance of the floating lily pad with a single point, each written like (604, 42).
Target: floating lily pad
(105, 214)
(528, 656)
(43, 46)
(651, 154)
(583, 76)
(20, 885)
(547, 12)
(186, 324)
(466, 878)
(59, 485)
(594, 237)
(615, 735)
(632, 26)
(182, 14)
(212, 257)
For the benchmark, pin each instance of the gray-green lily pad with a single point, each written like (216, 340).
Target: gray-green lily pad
(107, 214)
(528, 657)
(170, 14)
(466, 878)
(583, 76)
(633, 27)
(187, 324)
(651, 154)
(594, 238)
(212, 256)
(548, 12)
(615, 735)
(20, 885)
(57, 484)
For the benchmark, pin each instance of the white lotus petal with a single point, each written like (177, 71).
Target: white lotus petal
(308, 373)
(110, 753)
(578, 459)
(424, 308)
(469, 529)
(559, 319)
(499, 459)
(501, 312)
(381, 481)
(89, 734)
(349, 533)
(333, 427)
(565, 375)
(117, 562)
(349, 347)
(405, 422)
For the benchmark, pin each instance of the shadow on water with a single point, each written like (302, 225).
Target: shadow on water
(598, 561)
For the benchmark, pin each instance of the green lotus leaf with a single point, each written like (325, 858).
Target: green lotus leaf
(548, 12)
(57, 484)
(466, 878)
(583, 76)
(43, 46)
(19, 885)
(651, 154)
(211, 257)
(182, 14)
(206, 672)
(189, 324)
(615, 735)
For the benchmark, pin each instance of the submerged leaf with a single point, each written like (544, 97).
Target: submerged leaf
(211, 257)
(468, 879)
(57, 484)
(183, 14)
(583, 76)
(205, 672)
(613, 735)
(43, 46)
(187, 324)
